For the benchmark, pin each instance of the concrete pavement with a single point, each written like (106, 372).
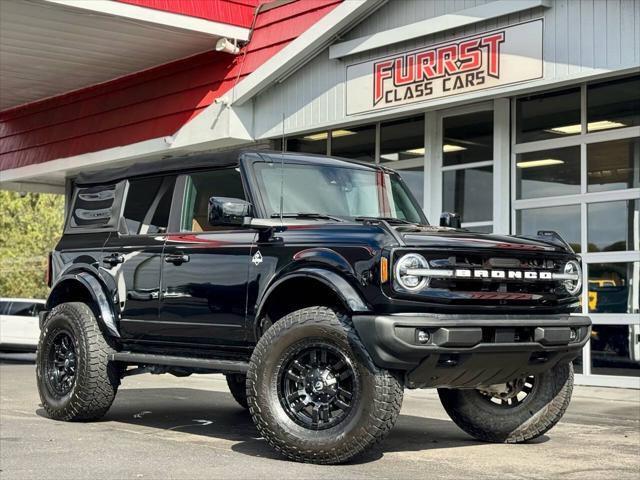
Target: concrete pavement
(162, 427)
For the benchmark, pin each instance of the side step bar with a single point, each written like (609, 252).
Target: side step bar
(231, 366)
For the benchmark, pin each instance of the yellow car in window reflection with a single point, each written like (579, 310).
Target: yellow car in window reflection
(593, 295)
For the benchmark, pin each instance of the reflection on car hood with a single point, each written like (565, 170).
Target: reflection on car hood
(432, 236)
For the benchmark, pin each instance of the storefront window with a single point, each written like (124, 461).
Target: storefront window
(551, 115)
(613, 104)
(548, 173)
(469, 192)
(613, 287)
(565, 220)
(467, 138)
(402, 140)
(414, 178)
(615, 350)
(357, 143)
(482, 229)
(613, 165)
(310, 143)
(612, 226)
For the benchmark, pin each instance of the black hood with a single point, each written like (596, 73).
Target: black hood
(431, 236)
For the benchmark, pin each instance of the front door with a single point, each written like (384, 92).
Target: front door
(133, 256)
(205, 268)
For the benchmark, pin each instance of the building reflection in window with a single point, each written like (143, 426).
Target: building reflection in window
(357, 143)
(548, 173)
(613, 165)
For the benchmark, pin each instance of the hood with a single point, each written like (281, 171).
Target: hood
(432, 236)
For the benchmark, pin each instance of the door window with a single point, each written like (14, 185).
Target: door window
(146, 210)
(201, 186)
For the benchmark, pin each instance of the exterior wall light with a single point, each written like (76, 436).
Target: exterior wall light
(227, 46)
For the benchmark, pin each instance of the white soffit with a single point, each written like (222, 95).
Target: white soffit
(48, 49)
(433, 25)
(158, 17)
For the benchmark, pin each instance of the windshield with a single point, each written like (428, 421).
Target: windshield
(335, 191)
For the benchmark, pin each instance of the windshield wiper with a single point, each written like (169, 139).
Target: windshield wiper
(318, 216)
(385, 219)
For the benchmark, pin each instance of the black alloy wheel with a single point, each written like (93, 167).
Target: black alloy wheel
(76, 381)
(61, 363)
(314, 392)
(515, 393)
(515, 412)
(318, 386)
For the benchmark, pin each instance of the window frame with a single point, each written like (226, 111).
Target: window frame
(179, 197)
(124, 230)
(582, 199)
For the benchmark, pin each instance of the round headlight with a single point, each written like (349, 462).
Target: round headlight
(407, 262)
(573, 286)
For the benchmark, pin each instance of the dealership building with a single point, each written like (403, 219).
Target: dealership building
(520, 115)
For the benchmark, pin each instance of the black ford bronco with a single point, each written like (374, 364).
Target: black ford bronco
(317, 286)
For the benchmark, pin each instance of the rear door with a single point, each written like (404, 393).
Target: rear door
(205, 268)
(132, 256)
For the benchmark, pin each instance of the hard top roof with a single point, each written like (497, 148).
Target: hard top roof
(209, 160)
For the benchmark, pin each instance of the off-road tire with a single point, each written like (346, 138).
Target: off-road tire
(238, 388)
(538, 413)
(96, 379)
(372, 416)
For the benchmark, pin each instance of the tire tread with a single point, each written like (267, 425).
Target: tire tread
(388, 389)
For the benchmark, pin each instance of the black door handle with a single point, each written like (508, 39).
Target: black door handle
(114, 259)
(177, 258)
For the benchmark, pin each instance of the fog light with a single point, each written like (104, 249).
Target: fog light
(573, 335)
(423, 336)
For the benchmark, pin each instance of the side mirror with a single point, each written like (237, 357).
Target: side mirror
(224, 211)
(450, 220)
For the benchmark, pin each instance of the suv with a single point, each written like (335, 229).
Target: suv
(317, 286)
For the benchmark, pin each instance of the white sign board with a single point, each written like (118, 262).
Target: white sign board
(491, 59)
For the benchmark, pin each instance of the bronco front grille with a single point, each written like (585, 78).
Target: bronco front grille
(496, 274)
(490, 279)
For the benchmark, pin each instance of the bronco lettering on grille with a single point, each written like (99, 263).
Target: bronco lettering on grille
(502, 274)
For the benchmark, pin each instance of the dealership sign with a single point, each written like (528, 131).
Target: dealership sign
(491, 59)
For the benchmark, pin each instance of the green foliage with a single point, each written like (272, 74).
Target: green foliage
(30, 226)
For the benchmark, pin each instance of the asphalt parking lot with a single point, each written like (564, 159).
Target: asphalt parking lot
(162, 427)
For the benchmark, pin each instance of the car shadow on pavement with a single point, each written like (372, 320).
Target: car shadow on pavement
(205, 413)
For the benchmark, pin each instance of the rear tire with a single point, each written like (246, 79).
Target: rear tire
(238, 388)
(76, 381)
(512, 421)
(313, 390)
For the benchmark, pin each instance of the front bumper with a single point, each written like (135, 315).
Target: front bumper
(467, 351)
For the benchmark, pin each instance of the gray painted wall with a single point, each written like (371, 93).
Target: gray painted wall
(582, 39)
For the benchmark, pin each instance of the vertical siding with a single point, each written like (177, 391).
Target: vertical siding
(581, 37)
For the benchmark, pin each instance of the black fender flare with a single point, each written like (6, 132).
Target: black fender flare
(336, 282)
(97, 291)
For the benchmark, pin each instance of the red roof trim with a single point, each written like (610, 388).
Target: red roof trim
(149, 104)
(232, 12)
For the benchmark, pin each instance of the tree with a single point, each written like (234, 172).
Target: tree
(30, 226)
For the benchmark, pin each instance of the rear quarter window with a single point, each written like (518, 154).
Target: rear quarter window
(96, 207)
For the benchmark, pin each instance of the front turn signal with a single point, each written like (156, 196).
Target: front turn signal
(384, 270)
